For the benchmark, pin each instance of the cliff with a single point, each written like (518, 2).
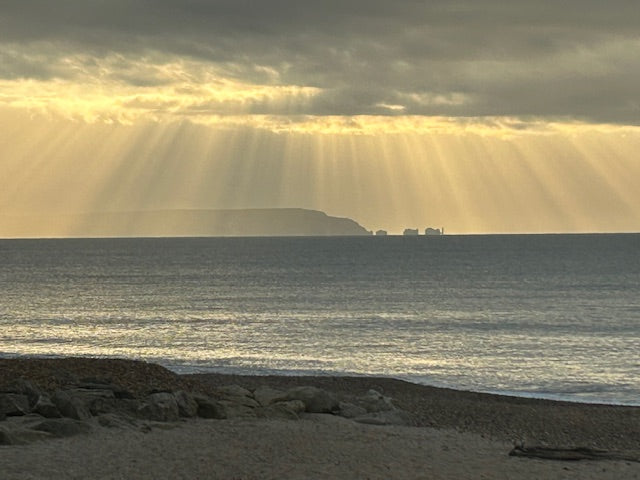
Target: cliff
(182, 223)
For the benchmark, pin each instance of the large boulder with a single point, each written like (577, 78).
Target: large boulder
(13, 404)
(187, 405)
(23, 387)
(70, 406)
(350, 410)
(315, 399)
(161, 407)
(103, 384)
(237, 395)
(376, 409)
(234, 409)
(265, 396)
(233, 391)
(230, 406)
(209, 408)
(374, 401)
(45, 407)
(96, 400)
(88, 395)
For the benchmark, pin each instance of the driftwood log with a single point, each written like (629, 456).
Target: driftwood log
(571, 454)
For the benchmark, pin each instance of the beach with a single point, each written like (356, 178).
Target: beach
(450, 434)
(314, 448)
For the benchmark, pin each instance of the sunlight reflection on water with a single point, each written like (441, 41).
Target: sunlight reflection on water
(537, 316)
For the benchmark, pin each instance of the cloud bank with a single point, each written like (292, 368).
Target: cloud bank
(200, 59)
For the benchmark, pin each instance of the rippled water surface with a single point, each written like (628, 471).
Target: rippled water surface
(545, 315)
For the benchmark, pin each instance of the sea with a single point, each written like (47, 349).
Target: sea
(548, 316)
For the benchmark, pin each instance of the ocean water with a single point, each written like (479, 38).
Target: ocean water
(553, 316)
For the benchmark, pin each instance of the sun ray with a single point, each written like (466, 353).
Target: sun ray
(389, 173)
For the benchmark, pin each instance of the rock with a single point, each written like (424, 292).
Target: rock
(374, 401)
(209, 408)
(13, 404)
(96, 400)
(315, 399)
(123, 393)
(45, 407)
(221, 409)
(378, 410)
(187, 405)
(88, 395)
(63, 427)
(160, 407)
(117, 391)
(98, 406)
(125, 406)
(235, 410)
(265, 396)
(238, 395)
(296, 406)
(24, 387)
(349, 410)
(247, 402)
(70, 406)
(112, 420)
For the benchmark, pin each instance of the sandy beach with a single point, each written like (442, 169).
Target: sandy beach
(317, 447)
(456, 435)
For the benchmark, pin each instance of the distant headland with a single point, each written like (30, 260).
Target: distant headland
(182, 223)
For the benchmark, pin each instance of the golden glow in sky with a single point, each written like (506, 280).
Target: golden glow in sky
(404, 126)
(385, 172)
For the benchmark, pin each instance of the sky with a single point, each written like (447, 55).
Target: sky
(479, 116)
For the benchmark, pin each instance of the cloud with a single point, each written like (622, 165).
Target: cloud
(573, 59)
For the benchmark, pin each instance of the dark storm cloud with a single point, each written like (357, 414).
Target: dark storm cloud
(575, 58)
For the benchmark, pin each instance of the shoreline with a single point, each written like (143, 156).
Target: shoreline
(452, 434)
(550, 397)
(502, 417)
(194, 371)
(508, 418)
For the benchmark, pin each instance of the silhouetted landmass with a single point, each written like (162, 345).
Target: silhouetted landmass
(165, 223)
